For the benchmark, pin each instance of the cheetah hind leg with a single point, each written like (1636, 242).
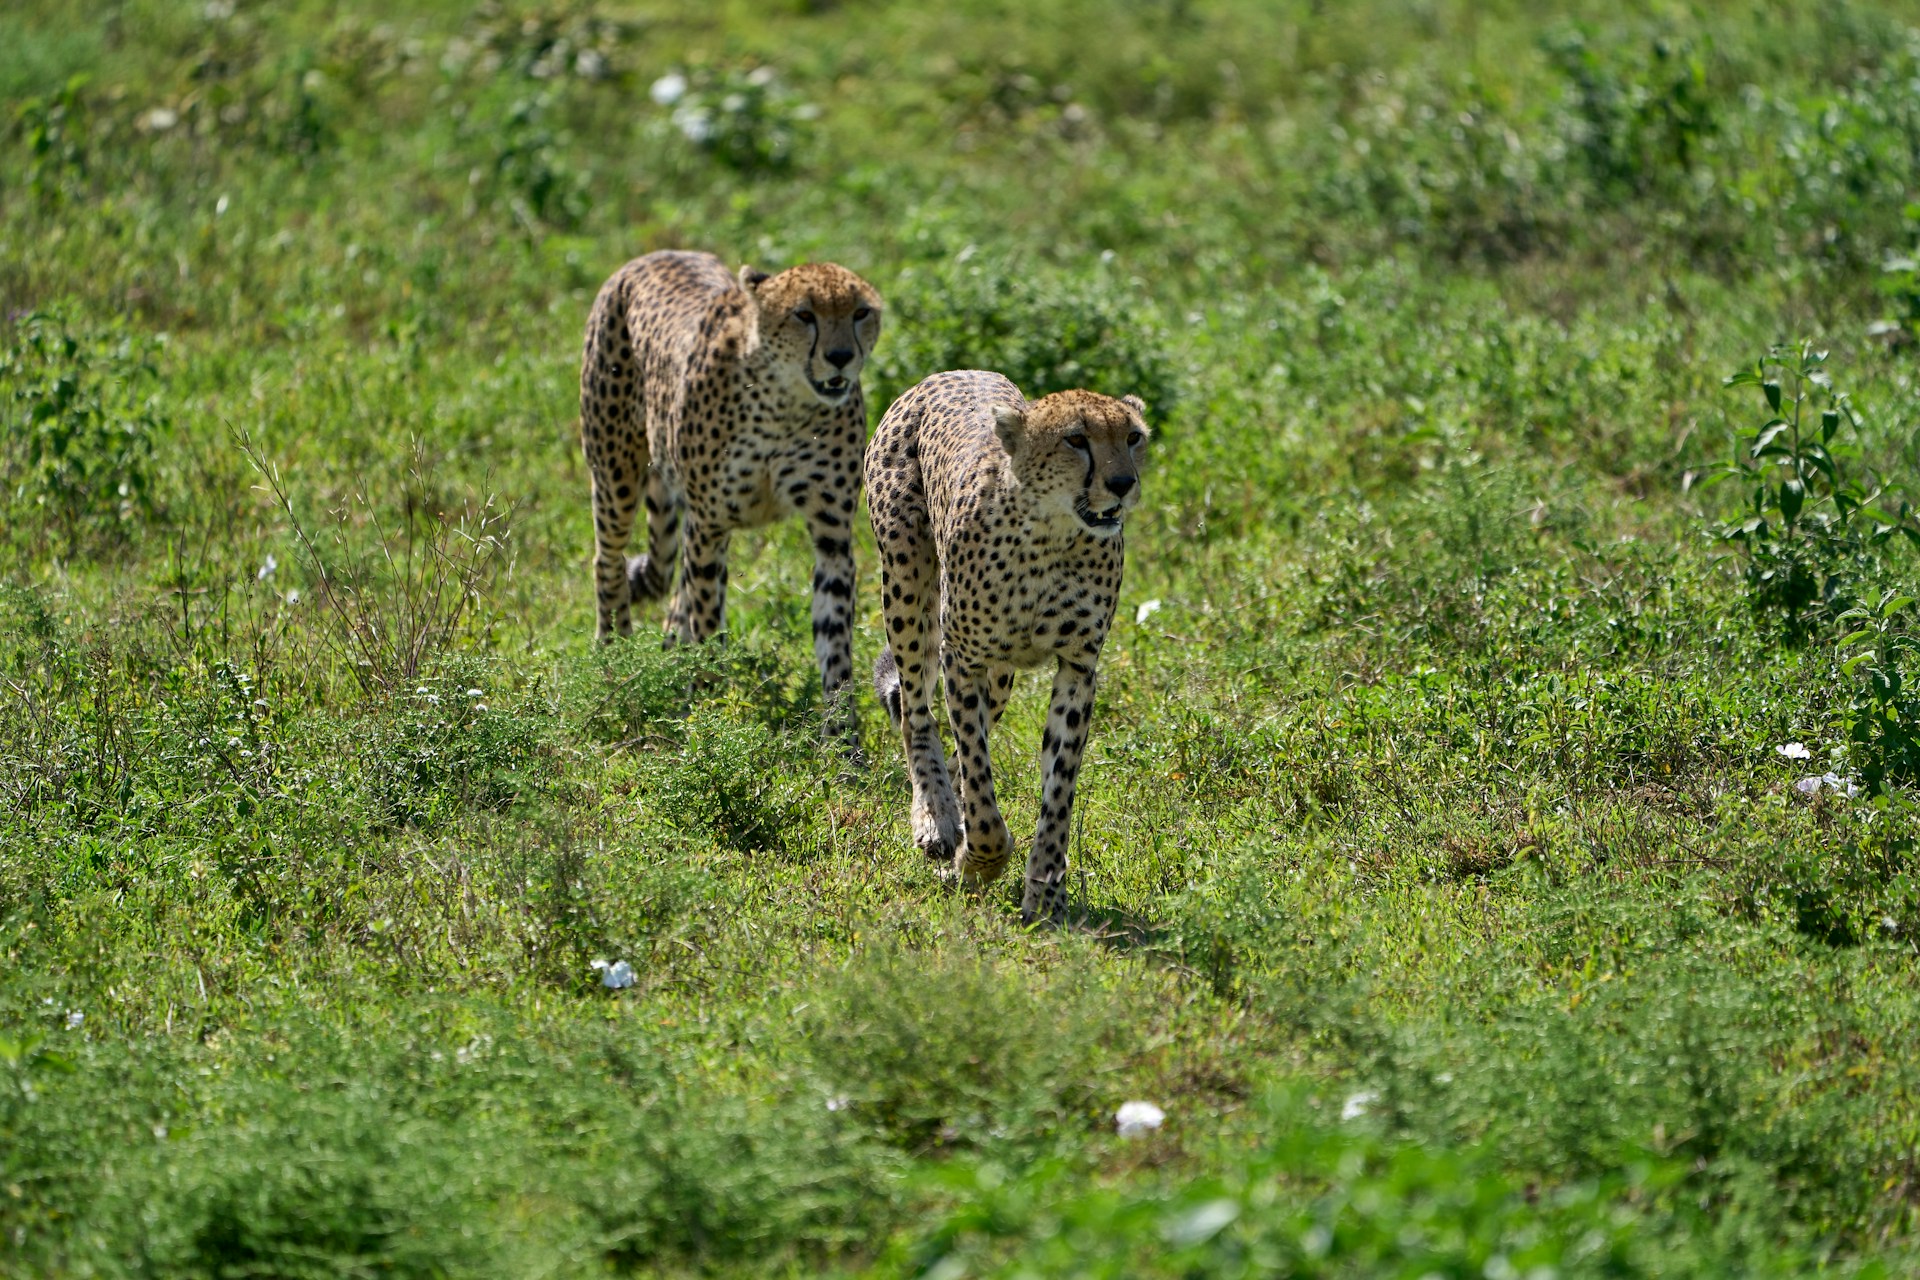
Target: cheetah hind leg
(936, 813)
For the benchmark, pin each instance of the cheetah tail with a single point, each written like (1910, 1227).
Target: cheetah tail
(645, 579)
(886, 684)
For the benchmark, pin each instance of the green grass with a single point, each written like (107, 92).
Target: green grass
(1438, 872)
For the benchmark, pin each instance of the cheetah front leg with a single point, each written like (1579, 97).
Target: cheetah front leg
(1068, 717)
(827, 524)
(983, 855)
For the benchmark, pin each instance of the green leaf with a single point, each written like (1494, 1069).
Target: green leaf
(1772, 390)
(1768, 434)
(1792, 495)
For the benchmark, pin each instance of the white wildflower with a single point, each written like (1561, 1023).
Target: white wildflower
(614, 975)
(1136, 1118)
(669, 89)
(1810, 786)
(1356, 1104)
(694, 124)
(1794, 751)
(1146, 610)
(267, 567)
(74, 1019)
(159, 119)
(762, 76)
(839, 1102)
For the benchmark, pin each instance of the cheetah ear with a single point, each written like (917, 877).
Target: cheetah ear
(1010, 424)
(752, 277)
(1136, 404)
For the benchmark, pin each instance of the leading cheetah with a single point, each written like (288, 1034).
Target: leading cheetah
(733, 401)
(1007, 517)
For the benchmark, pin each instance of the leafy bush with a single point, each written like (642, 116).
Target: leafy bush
(1047, 330)
(1813, 521)
(533, 173)
(56, 132)
(1882, 711)
(566, 41)
(746, 119)
(419, 1150)
(939, 1052)
(1315, 1199)
(1637, 127)
(1680, 1065)
(1900, 282)
(312, 1187)
(637, 693)
(734, 779)
(81, 428)
(716, 1180)
(445, 748)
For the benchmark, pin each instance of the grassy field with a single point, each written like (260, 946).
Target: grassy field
(1497, 847)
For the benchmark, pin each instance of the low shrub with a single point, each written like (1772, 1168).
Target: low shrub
(1046, 329)
(940, 1052)
(84, 417)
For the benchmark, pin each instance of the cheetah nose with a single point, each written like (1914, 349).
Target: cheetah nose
(1120, 486)
(840, 358)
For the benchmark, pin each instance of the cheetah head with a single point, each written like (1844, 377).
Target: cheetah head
(1080, 453)
(818, 321)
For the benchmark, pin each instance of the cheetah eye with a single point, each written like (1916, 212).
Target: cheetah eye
(804, 316)
(1078, 440)
(861, 313)
(1134, 438)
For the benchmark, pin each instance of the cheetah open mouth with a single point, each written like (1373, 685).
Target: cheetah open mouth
(1107, 521)
(834, 388)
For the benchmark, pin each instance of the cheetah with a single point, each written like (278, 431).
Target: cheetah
(1005, 516)
(728, 402)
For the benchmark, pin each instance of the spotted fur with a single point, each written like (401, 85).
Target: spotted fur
(725, 402)
(999, 527)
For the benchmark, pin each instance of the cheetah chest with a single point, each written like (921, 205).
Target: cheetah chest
(765, 475)
(1025, 601)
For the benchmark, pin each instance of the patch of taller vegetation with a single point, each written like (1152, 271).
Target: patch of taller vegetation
(1045, 328)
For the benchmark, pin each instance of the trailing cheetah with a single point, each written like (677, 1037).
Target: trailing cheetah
(1006, 518)
(731, 402)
